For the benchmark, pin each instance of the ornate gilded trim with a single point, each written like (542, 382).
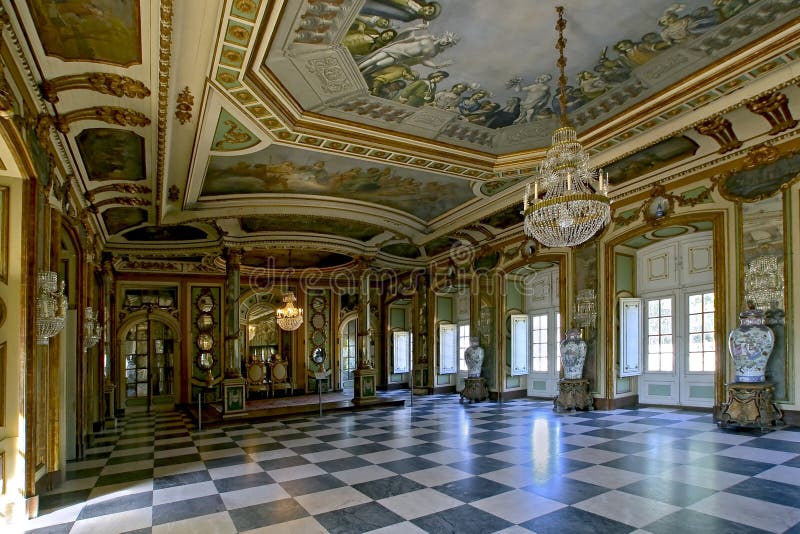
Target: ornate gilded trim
(720, 130)
(164, 53)
(131, 189)
(109, 114)
(124, 201)
(183, 109)
(758, 156)
(774, 107)
(658, 205)
(102, 82)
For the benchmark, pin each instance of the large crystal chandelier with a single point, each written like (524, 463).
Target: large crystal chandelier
(572, 209)
(289, 316)
(51, 306)
(763, 283)
(91, 328)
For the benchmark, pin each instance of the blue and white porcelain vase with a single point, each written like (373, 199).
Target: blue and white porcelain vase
(573, 354)
(750, 345)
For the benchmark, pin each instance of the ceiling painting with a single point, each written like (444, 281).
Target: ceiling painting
(231, 134)
(404, 250)
(165, 233)
(294, 259)
(651, 159)
(437, 53)
(301, 223)
(439, 245)
(505, 218)
(101, 31)
(761, 182)
(288, 170)
(112, 154)
(120, 218)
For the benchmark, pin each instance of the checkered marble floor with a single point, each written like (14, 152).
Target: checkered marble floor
(438, 466)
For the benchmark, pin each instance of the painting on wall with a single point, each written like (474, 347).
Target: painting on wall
(120, 218)
(111, 154)
(288, 170)
(100, 31)
(651, 159)
(761, 182)
(303, 223)
(436, 53)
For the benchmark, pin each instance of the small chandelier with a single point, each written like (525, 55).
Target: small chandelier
(51, 306)
(763, 283)
(585, 308)
(572, 210)
(91, 328)
(289, 316)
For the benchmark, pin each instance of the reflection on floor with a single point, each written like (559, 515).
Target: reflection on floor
(438, 466)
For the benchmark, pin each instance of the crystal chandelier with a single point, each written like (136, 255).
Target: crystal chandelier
(763, 283)
(585, 308)
(91, 328)
(289, 316)
(572, 210)
(51, 306)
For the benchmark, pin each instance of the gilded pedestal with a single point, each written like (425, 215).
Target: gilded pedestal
(750, 404)
(474, 389)
(233, 394)
(573, 394)
(364, 386)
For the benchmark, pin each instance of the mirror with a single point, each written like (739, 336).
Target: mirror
(205, 303)
(205, 321)
(205, 360)
(205, 341)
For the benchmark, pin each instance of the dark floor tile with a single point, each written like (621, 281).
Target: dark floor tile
(314, 447)
(774, 445)
(696, 445)
(265, 514)
(304, 486)
(387, 487)
(492, 425)
(653, 421)
(480, 465)
(281, 463)
(490, 435)
(137, 445)
(180, 459)
(768, 490)
(188, 508)
(181, 479)
(608, 433)
(228, 461)
(63, 528)
(566, 490)
(177, 445)
(728, 464)
(599, 423)
(408, 465)
(367, 448)
(120, 504)
(54, 501)
(242, 482)
(487, 447)
(332, 437)
(431, 436)
(668, 491)
(116, 460)
(75, 474)
(361, 518)
(462, 520)
(622, 446)
(423, 449)
(342, 464)
(575, 521)
(674, 432)
(129, 476)
(262, 447)
(472, 489)
(698, 523)
(645, 465)
(217, 446)
(283, 438)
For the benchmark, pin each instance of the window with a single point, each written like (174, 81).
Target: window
(558, 344)
(448, 348)
(402, 351)
(660, 350)
(463, 343)
(702, 346)
(539, 343)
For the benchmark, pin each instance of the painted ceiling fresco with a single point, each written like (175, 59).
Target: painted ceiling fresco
(106, 31)
(303, 223)
(294, 259)
(165, 233)
(287, 170)
(112, 154)
(119, 218)
(493, 67)
(651, 159)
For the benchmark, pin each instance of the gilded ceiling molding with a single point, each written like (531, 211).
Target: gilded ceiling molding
(131, 189)
(720, 130)
(183, 110)
(164, 54)
(101, 82)
(659, 204)
(376, 110)
(770, 183)
(110, 114)
(758, 155)
(774, 107)
(123, 201)
(174, 193)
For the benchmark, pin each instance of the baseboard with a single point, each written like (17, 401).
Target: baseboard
(616, 404)
(396, 386)
(791, 417)
(445, 389)
(513, 394)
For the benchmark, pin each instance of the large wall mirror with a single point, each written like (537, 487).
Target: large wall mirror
(763, 275)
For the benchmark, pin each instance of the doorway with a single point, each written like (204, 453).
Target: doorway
(348, 355)
(148, 364)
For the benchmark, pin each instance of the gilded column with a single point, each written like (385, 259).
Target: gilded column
(233, 387)
(365, 375)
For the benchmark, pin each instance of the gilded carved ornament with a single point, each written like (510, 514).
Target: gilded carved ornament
(183, 110)
(102, 82)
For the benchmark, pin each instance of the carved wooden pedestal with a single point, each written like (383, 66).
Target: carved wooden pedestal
(750, 404)
(474, 389)
(573, 393)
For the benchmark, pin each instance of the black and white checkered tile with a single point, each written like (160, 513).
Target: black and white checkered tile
(438, 466)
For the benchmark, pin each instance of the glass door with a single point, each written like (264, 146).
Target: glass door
(148, 353)
(348, 358)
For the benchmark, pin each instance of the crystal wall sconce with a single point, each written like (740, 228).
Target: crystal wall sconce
(91, 328)
(51, 306)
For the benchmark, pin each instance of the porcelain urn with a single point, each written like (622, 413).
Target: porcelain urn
(750, 346)
(573, 354)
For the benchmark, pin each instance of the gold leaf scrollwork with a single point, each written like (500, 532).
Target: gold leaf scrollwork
(183, 110)
(233, 136)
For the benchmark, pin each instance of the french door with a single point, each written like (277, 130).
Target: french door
(148, 349)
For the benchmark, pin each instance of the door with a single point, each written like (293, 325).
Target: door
(679, 339)
(348, 355)
(545, 332)
(148, 356)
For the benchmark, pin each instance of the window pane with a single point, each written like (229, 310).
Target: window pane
(708, 301)
(695, 323)
(652, 327)
(666, 325)
(695, 304)
(652, 308)
(696, 362)
(708, 322)
(666, 306)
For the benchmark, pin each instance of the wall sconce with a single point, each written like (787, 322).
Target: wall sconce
(763, 283)
(289, 316)
(51, 306)
(91, 328)
(585, 308)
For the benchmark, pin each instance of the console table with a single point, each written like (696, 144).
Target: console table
(750, 404)
(573, 393)
(474, 389)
